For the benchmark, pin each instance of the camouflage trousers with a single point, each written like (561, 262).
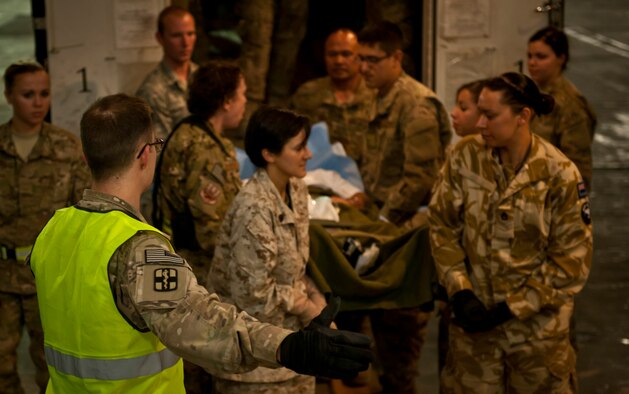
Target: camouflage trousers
(271, 32)
(488, 363)
(301, 384)
(17, 311)
(399, 335)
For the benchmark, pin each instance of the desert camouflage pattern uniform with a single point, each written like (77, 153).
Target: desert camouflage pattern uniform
(53, 177)
(405, 146)
(166, 95)
(260, 265)
(524, 238)
(194, 157)
(347, 122)
(191, 322)
(570, 126)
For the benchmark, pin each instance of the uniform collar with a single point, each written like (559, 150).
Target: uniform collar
(41, 149)
(285, 214)
(534, 169)
(102, 202)
(362, 94)
(172, 79)
(384, 103)
(557, 85)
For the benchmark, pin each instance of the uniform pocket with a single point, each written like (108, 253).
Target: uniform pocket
(561, 359)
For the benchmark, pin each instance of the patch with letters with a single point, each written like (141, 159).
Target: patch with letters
(585, 213)
(165, 279)
(581, 190)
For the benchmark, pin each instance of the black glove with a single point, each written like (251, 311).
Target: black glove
(499, 314)
(472, 315)
(327, 315)
(469, 311)
(321, 351)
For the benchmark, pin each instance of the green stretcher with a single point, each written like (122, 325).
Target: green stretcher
(403, 276)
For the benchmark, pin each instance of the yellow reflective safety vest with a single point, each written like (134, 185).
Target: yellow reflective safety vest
(89, 345)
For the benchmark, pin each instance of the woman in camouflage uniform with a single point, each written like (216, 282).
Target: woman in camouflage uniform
(198, 176)
(570, 126)
(263, 246)
(510, 232)
(41, 170)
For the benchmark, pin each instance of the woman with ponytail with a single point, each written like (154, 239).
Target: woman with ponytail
(510, 232)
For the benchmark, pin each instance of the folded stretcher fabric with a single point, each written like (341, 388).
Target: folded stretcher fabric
(404, 275)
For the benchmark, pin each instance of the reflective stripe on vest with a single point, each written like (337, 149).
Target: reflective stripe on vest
(128, 368)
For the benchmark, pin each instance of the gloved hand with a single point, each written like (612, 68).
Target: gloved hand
(469, 311)
(320, 351)
(499, 314)
(472, 315)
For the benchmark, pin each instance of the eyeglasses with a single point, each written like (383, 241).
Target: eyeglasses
(158, 144)
(372, 60)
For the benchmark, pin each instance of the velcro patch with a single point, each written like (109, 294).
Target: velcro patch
(161, 286)
(219, 174)
(585, 213)
(161, 256)
(581, 190)
(165, 279)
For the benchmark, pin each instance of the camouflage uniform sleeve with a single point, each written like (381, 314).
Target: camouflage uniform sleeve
(422, 149)
(207, 208)
(445, 213)
(255, 252)
(187, 319)
(161, 116)
(569, 251)
(576, 138)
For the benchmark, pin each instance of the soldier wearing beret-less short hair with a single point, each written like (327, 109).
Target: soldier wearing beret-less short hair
(403, 148)
(263, 246)
(511, 234)
(165, 87)
(119, 306)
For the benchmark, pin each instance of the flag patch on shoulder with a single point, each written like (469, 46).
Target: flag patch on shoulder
(581, 189)
(161, 256)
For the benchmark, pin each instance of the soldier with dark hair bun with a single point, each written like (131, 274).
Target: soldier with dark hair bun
(511, 235)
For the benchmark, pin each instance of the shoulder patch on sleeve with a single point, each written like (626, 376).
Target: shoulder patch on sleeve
(165, 279)
(161, 286)
(161, 256)
(581, 190)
